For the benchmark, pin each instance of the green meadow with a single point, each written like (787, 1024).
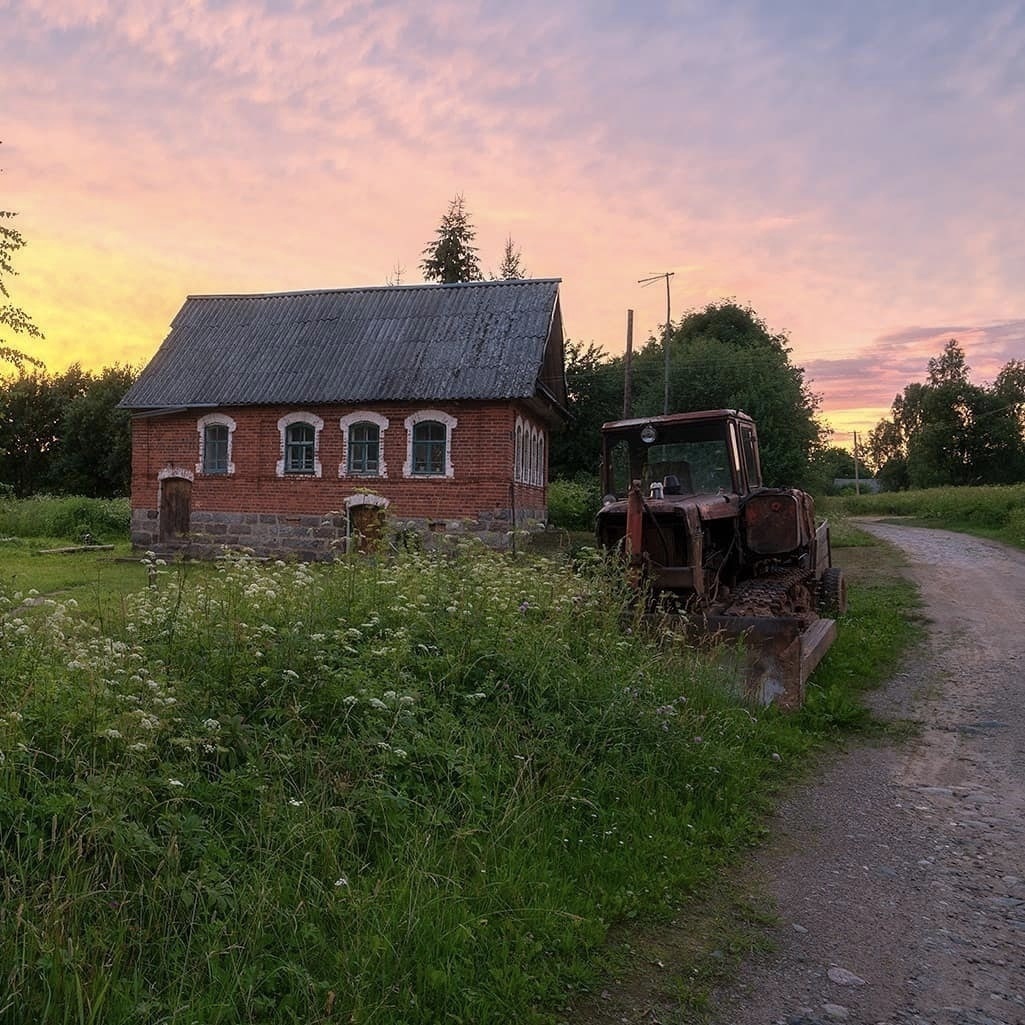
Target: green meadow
(417, 788)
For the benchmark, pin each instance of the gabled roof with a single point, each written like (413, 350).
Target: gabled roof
(476, 340)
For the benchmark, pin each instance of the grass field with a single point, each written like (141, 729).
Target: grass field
(419, 790)
(996, 512)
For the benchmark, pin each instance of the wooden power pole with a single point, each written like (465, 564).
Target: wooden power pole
(628, 370)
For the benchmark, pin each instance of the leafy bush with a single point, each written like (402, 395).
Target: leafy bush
(573, 504)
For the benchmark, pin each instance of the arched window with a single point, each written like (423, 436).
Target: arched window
(429, 444)
(215, 442)
(300, 445)
(518, 457)
(429, 438)
(363, 444)
(215, 448)
(541, 467)
(364, 448)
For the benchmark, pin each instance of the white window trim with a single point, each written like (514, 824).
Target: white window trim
(318, 425)
(529, 454)
(449, 423)
(359, 417)
(210, 420)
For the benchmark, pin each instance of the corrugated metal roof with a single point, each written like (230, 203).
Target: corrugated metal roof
(476, 340)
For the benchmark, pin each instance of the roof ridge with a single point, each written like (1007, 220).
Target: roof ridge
(375, 288)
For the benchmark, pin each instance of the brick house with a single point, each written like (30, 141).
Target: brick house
(279, 422)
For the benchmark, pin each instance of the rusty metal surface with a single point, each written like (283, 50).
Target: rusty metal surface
(781, 594)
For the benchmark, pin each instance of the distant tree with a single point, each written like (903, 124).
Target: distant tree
(948, 431)
(594, 393)
(724, 356)
(512, 266)
(1009, 387)
(829, 462)
(94, 457)
(887, 453)
(452, 256)
(32, 407)
(63, 433)
(13, 318)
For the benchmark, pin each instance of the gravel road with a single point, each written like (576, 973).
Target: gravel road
(899, 874)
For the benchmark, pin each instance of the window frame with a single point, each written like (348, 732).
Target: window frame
(284, 426)
(215, 420)
(528, 454)
(346, 424)
(449, 424)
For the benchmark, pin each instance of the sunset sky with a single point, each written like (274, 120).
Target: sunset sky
(853, 170)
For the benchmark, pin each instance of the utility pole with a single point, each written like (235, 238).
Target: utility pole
(857, 482)
(665, 341)
(628, 370)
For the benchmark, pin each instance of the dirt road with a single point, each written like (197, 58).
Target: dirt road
(899, 875)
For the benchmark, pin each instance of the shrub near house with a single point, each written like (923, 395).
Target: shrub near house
(273, 421)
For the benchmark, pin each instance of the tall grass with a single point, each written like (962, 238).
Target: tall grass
(419, 792)
(995, 511)
(72, 519)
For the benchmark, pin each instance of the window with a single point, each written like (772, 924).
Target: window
(529, 454)
(299, 448)
(363, 444)
(429, 444)
(754, 471)
(300, 444)
(215, 448)
(429, 440)
(216, 432)
(364, 448)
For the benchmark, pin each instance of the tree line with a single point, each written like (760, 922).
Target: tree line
(63, 433)
(949, 431)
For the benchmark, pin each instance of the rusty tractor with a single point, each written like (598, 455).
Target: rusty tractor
(685, 504)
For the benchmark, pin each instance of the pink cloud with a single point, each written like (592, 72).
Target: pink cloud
(235, 146)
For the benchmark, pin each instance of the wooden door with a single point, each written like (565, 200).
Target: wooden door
(175, 508)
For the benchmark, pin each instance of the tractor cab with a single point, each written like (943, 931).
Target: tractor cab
(714, 452)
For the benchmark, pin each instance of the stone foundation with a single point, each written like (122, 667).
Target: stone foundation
(316, 538)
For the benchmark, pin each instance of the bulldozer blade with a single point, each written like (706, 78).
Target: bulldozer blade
(777, 657)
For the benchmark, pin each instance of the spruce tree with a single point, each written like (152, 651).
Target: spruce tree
(452, 256)
(512, 266)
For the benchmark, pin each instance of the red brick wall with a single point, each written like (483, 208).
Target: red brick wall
(482, 459)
